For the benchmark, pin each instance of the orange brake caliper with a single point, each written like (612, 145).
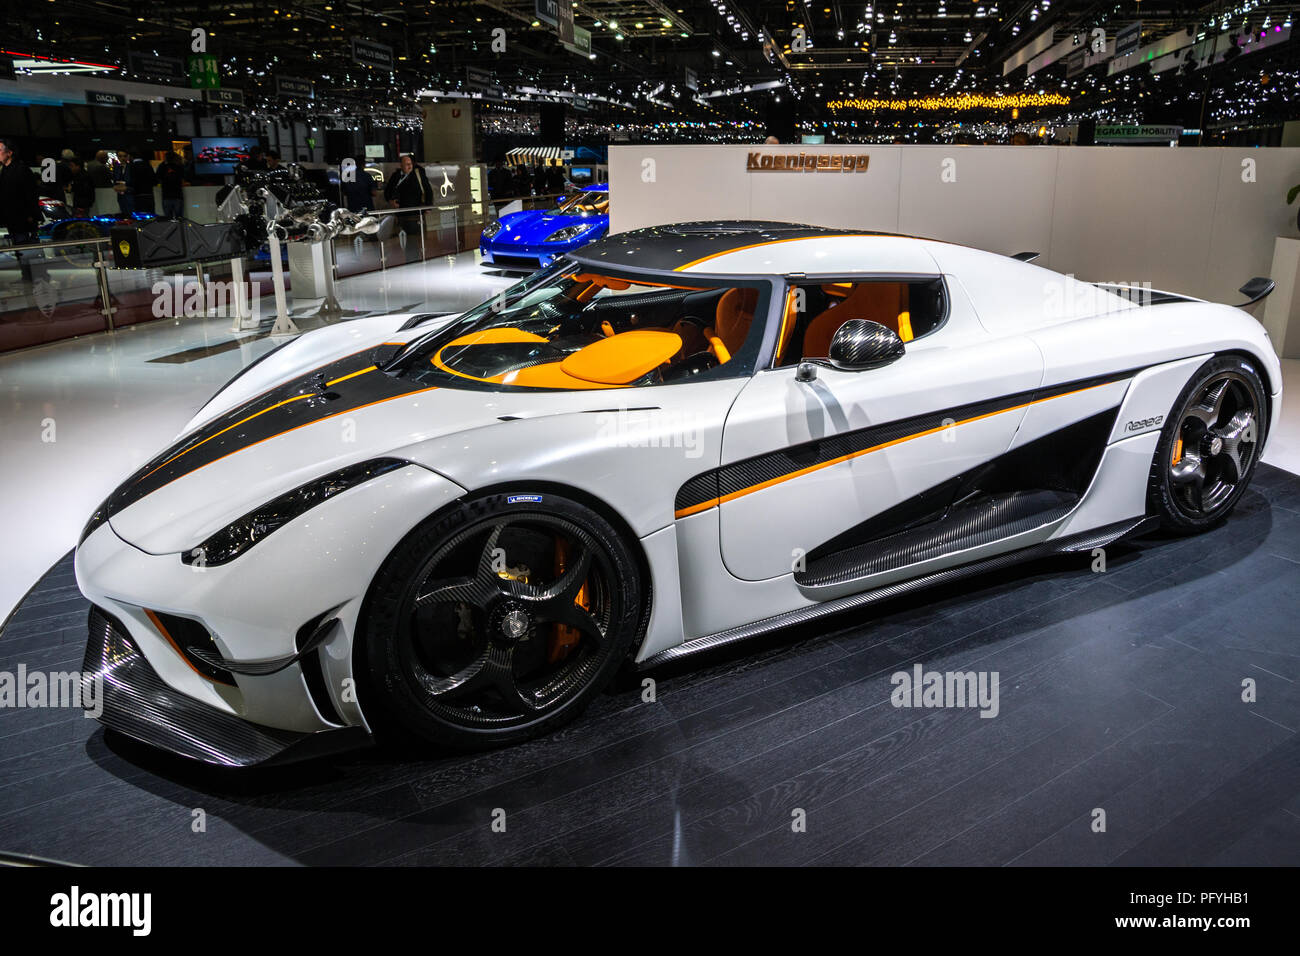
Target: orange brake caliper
(563, 637)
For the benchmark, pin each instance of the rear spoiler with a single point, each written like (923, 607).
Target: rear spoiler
(1256, 289)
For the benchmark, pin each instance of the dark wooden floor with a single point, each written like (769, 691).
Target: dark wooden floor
(1119, 691)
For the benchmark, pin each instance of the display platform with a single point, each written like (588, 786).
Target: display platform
(1121, 737)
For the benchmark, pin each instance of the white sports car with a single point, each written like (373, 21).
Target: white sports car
(459, 527)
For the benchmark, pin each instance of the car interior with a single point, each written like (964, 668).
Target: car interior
(592, 203)
(595, 331)
(911, 309)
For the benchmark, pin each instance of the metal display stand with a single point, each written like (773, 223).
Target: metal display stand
(320, 256)
(330, 310)
(241, 307)
(283, 324)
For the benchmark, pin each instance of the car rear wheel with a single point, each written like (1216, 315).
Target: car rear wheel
(1209, 446)
(497, 621)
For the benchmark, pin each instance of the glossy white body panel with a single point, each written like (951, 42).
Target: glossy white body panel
(322, 561)
(763, 532)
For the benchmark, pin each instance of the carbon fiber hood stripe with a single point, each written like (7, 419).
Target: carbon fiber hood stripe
(339, 387)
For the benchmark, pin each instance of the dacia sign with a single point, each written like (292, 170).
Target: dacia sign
(101, 98)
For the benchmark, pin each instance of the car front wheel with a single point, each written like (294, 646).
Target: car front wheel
(497, 621)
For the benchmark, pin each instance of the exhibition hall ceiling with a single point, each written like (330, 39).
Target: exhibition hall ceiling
(689, 66)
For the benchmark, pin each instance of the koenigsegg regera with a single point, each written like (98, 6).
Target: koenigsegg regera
(460, 527)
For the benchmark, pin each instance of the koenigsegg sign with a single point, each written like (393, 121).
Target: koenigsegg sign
(806, 163)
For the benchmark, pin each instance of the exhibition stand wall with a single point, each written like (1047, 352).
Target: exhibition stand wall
(1197, 221)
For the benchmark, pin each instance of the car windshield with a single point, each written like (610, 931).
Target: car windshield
(589, 202)
(570, 328)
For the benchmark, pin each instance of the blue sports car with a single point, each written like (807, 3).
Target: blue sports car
(532, 239)
(60, 226)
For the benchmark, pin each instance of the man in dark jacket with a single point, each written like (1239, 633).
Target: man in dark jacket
(20, 211)
(140, 181)
(357, 193)
(555, 179)
(100, 173)
(81, 189)
(500, 182)
(171, 183)
(121, 183)
(408, 187)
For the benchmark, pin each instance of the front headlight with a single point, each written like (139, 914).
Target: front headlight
(236, 538)
(492, 228)
(568, 232)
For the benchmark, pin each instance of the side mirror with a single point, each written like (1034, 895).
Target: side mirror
(861, 344)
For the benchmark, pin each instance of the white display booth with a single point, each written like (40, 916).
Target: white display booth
(1197, 221)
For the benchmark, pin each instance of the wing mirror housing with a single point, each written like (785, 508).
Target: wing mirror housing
(861, 344)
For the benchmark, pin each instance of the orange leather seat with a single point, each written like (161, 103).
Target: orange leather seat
(883, 302)
(734, 316)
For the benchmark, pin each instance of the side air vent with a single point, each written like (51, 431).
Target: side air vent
(188, 637)
(313, 669)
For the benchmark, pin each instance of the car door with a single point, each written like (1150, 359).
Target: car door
(813, 469)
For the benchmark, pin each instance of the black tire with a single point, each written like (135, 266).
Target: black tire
(464, 645)
(1206, 454)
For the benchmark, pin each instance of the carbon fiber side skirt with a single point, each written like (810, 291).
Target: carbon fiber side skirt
(1084, 541)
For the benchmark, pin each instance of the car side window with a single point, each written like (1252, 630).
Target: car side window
(815, 310)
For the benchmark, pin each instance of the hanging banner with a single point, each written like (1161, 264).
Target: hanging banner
(476, 79)
(581, 44)
(100, 98)
(148, 66)
(547, 11)
(293, 86)
(564, 22)
(378, 56)
(226, 97)
(1138, 134)
(1128, 39)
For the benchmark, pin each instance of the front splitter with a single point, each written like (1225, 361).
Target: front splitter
(138, 703)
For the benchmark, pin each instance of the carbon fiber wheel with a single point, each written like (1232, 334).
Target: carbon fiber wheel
(499, 620)
(1209, 446)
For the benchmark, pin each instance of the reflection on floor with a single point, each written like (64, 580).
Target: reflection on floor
(1119, 691)
(76, 417)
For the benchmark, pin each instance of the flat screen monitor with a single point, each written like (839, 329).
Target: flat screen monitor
(219, 155)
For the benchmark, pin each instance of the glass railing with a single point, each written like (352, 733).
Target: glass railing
(51, 291)
(56, 290)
